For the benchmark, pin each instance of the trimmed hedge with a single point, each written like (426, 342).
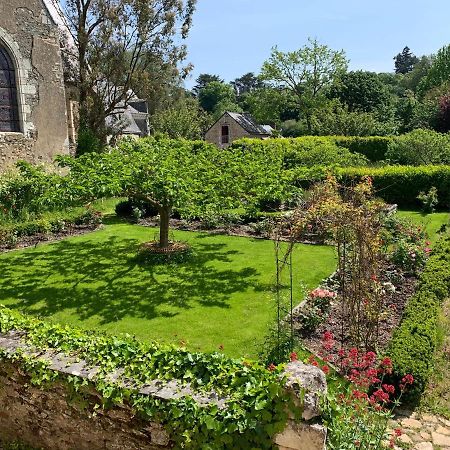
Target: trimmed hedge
(306, 151)
(402, 184)
(373, 148)
(394, 184)
(257, 404)
(414, 342)
(324, 149)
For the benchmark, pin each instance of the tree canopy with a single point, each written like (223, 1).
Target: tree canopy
(192, 176)
(405, 61)
(306, 72)
(115, 43)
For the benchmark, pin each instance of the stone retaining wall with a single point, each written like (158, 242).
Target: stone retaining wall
(56, 418)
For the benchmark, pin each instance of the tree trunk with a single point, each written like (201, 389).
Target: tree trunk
(164, 214)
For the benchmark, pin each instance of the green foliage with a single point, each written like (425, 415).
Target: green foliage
(307, 151)
(183, 120)
(360, 91)
(31, 190)
(438, 73)
(306, 73)
(410, 256)
(420, 147)
(429, 200)
(54, 222)
(256, 409)
(216, 98)
(88, 142)
(336, 119)
(396, 184)
(405, 61)
(372, 147)
(414, 342)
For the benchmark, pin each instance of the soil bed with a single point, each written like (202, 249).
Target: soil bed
(394, 305)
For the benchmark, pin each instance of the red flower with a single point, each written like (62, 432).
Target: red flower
(389, 388)
(272, 367)
(398, 432)
(293, 356)
(408, 379)
(326, 370)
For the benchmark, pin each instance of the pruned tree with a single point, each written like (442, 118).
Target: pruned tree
(115, 41)
(306, 73)
(191, 176)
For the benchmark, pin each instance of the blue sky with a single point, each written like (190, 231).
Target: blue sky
(233, 37)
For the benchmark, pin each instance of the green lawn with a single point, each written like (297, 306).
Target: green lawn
(431, 222)
(223, 296)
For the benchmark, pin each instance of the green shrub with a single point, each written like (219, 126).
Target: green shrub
(51, 223)
(414, 342)
(429, 200)
(420, 147)
(127, 208)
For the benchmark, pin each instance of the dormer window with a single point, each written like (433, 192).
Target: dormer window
(9, 110)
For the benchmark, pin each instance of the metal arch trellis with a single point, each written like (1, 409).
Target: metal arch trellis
(283, 259)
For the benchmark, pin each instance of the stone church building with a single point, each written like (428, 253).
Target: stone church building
(38, 111)
(33, 109)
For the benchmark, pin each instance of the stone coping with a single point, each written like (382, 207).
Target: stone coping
(13, 342)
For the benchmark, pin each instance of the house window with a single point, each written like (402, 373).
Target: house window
(9, 111)
(225, 134)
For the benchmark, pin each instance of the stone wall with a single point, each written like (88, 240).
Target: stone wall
(55, 418)
(32, 39)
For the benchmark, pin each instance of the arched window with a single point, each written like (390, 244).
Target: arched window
(9, 111)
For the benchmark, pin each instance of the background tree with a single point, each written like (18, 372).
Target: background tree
(203, 80)
(438, 73)
(307, 73)
(412, 79)
(216, 98)
(405, 61)
(116, 41)
(246, 84)
(271, 106)
(444, 113)
(184, 119)
(360, 91)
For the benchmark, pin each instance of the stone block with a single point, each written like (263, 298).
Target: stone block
(308, 382)
(301, 436)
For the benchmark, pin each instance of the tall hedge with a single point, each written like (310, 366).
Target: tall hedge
(402, 184)
(321, 148)
(394, 184)
(373, 148)
(414, 342)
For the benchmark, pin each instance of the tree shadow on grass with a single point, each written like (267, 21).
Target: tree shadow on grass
(103, 279)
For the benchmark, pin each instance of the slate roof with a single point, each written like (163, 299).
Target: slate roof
(248, 123)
